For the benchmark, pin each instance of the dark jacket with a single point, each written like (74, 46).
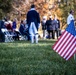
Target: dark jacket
(49, 25)
(58, 23)
(33, 16)
(21, 29)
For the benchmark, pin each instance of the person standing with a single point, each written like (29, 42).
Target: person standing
(33, 21)
(59, 30)
(49, 27)
(56, 26)
(43, 22)
(70, 17)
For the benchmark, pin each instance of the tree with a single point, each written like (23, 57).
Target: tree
(5, 7)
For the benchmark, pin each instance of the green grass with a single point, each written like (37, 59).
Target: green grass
(24, 58)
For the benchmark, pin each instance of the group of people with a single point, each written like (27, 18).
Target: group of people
(32, 24)
(52, 26)
(6, 23)
(27, 27)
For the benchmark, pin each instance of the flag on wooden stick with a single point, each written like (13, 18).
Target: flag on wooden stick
(66, 44)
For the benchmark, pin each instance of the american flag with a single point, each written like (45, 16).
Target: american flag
(66, 44)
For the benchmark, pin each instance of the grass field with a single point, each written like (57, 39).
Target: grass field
(24, 58)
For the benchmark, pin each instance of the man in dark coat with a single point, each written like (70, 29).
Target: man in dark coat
(49, 27)
(33, 21)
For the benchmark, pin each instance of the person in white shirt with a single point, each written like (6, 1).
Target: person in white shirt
(70, 17)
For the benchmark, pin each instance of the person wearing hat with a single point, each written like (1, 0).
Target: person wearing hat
(33, 21)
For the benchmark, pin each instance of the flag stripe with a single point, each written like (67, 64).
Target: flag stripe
(71, 49)
(68, 51)
(71, 54)
(65, 45)
(55, 45)
(60, 41)
(68, 46)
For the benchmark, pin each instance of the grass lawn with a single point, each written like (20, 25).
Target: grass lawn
(24, 58)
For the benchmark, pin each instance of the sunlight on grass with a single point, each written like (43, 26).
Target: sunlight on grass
(24, 58)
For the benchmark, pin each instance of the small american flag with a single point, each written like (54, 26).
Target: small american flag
(66, 44)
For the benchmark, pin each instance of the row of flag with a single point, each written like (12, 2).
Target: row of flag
(65, 46)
